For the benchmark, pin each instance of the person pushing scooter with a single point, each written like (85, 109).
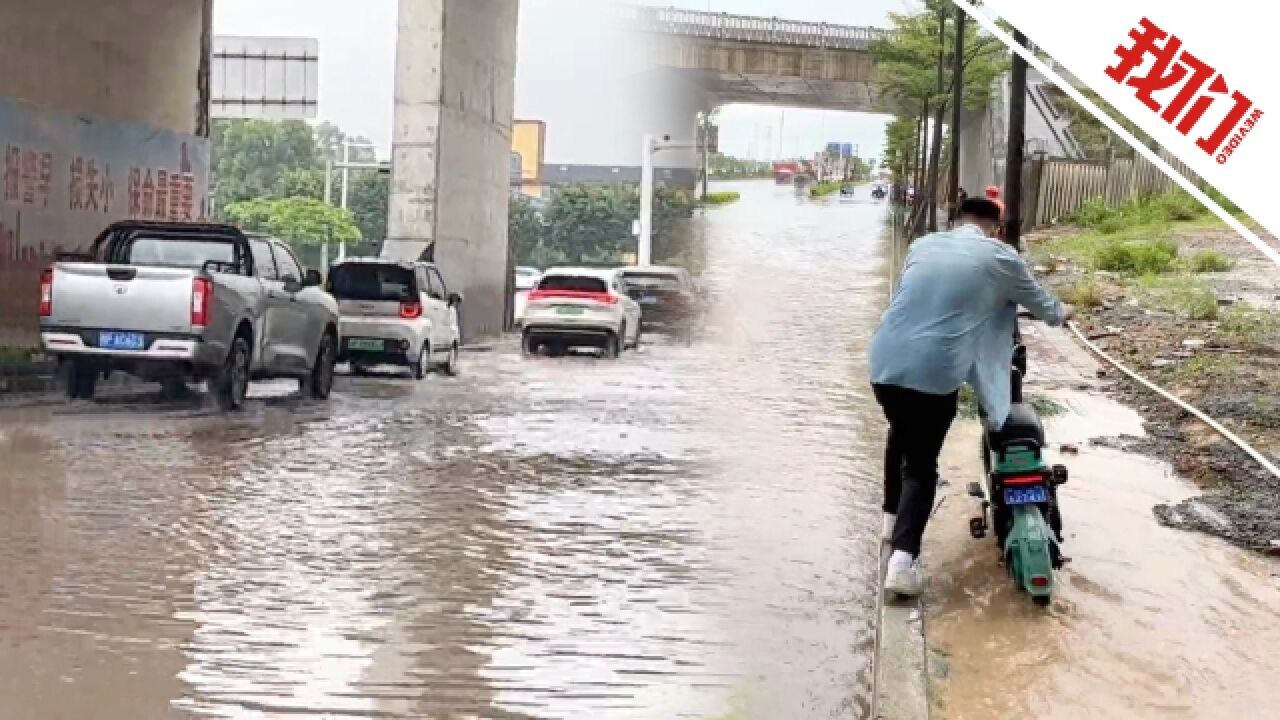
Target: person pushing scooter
(951, 321)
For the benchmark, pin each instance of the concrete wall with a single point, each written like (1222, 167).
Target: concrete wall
(129, 60)
(451, 147)
(97, 98)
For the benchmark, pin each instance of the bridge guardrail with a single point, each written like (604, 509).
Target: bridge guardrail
(745, 28)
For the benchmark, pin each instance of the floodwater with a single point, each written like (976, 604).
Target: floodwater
(1148, 622)
(686, 532)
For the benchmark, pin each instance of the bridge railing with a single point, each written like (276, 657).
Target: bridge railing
(746, 28)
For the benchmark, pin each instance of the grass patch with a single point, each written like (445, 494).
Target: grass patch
(969, 407)
(1204, 368)
(1247, 325)
(17, 354)
(1207, 261)
(1136, 251)
(1184, 295)
(1176, 206)
(721, 198)
(1085, 292)
(1137, 257)
(824, 189)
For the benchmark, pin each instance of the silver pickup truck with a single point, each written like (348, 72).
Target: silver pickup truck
(171, 302)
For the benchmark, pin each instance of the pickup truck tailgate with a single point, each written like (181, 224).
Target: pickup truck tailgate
(121, 297)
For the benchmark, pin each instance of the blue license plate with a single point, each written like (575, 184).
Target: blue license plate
(1026, 495)
(122, 341)
(648, 301)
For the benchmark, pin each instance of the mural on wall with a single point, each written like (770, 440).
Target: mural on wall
(64, 177)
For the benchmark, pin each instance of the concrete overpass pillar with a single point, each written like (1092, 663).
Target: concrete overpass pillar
(451, 143)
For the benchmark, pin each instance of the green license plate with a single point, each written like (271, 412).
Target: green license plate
(365, 344)
(569, 310)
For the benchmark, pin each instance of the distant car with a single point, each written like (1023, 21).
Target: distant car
(846, 190)
(667, 297)
(172, 302)
(396, 313)
(580, 307)
(526, 279)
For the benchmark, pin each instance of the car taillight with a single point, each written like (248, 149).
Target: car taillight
(201, 296)
(46, 292)
(600, 297)
(410, 310)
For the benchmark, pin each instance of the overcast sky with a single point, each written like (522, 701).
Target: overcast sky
(357, 51)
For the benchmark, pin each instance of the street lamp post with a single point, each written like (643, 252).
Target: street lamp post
(644, 248)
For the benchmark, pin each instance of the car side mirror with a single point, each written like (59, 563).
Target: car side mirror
(312, 279)
(291, 284)
(455, 299)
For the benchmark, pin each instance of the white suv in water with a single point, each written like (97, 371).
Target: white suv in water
(580, 307)
(395, 313)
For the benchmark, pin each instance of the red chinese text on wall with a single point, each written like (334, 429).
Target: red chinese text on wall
(1174, 67)
(28, 176)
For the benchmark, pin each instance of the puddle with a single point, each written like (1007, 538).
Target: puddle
(1149, 622)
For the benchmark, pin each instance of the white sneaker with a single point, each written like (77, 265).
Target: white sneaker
(886, 528)
(904, 576)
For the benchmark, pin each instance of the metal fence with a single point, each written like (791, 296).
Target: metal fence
(745, 28)
(1058, 187)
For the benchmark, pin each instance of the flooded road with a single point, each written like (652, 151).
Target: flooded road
(1148, 621)
(688, 532)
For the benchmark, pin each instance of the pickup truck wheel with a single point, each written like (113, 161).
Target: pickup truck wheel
(232, 384)
(82, 381)
(320, 384)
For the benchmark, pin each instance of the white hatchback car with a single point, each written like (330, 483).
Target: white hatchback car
(580, 307)
(395, 313)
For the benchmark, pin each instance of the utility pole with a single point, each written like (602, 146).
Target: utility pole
(644, 247)
(1017, 143)
(957, 99)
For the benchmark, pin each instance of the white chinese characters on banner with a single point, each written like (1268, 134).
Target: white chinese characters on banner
(1196, 90)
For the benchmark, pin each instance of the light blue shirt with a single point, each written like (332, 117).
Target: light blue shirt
(953, 315)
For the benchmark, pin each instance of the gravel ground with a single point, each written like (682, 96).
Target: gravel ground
(1227, 363)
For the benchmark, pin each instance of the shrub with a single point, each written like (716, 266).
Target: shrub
(1176, 206)
(1085, 292)
(1210, 261)
(1246, 325)
(1142, 257)
(1182, 294)
(721, 198)
(823, 189)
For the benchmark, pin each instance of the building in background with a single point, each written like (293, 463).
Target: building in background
(528, 141)
(585, 74)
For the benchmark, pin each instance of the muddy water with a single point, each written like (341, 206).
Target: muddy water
(687, 532)
(1149, 622)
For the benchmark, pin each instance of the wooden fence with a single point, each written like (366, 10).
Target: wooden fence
(1057, 187)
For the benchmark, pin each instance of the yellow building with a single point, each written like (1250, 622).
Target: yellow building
(528, 144)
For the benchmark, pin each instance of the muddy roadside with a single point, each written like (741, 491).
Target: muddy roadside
(1192, 306)
(1147, 621)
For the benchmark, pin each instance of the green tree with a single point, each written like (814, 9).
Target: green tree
(300, 221)
(914, 74)
(253, 158)
(591, 224)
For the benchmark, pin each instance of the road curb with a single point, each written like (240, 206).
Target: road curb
(901, 659)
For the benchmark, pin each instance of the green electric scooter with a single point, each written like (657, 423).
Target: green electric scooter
(1020, 496)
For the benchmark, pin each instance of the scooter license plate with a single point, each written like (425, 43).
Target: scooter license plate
(1026, 495)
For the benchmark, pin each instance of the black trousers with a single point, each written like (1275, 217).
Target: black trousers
(918, 425)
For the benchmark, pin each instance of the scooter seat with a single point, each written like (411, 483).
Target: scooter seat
(1022, 424)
